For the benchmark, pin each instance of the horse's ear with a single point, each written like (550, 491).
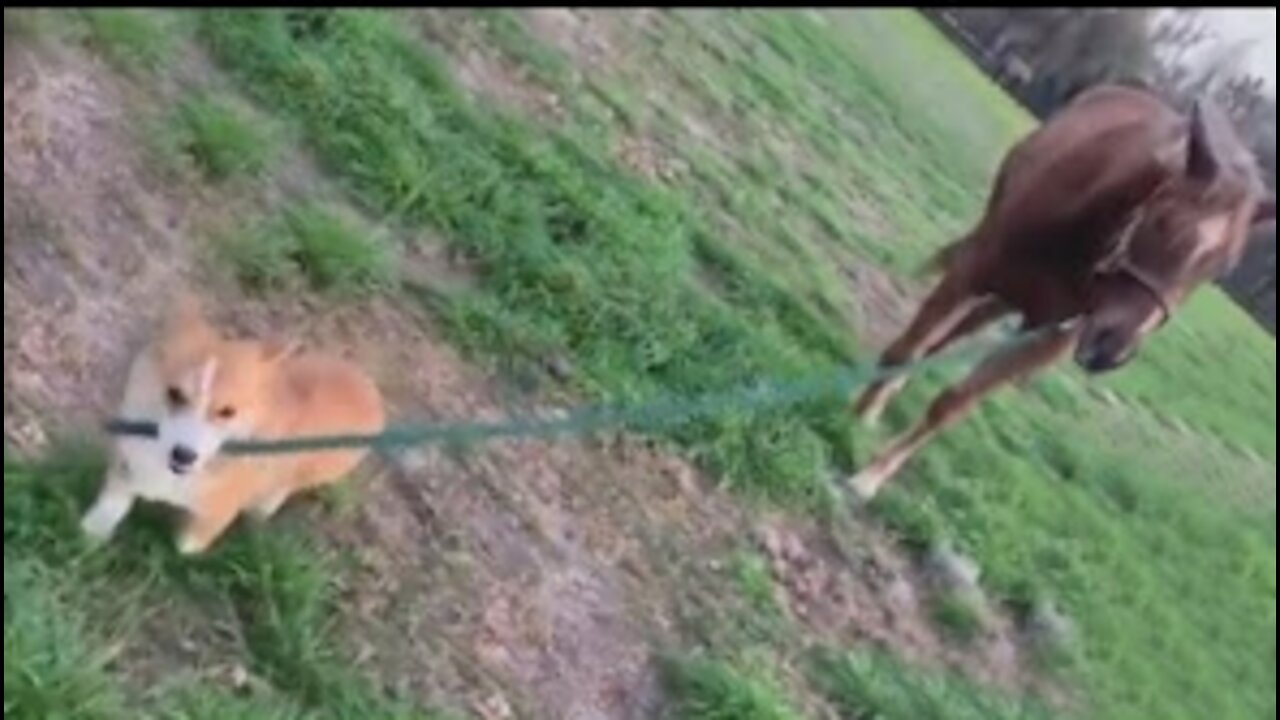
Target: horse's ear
(1202, 157)
(1266, 212)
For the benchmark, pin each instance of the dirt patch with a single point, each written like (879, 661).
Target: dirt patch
(649, 159)
(586, 37)
(882, 304)
(882, 597)
(485, 71)
(485, 74)
(90, 239)
(520, 571)
(591, 38)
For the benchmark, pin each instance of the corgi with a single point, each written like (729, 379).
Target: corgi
(203, 389)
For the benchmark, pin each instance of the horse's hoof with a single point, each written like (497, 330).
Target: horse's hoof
(866, 485)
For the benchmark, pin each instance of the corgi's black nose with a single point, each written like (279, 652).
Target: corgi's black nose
(182, 457)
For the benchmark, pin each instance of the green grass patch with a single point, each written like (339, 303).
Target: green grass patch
(957, 616)
(219, 139)
(874, 687)
(1171, 587)
(131, 39)
(755, 583)
(703, 689)
(1214, 369)
(58, 661)
(509, 33)
(310, 245)
(61, 597)
(53, 668)
(217, 705)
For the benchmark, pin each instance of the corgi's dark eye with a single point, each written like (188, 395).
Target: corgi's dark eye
(226, 413)
(176, 398)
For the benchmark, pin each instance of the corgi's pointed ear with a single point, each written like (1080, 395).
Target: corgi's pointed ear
(186, 318)
(187, 309)
(276, 350)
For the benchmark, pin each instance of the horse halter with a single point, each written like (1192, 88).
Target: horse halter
(1118, 262)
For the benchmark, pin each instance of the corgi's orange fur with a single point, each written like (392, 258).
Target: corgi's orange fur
(203, 390)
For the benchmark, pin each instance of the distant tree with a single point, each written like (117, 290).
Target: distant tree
(1067, 49)
(1177, 32)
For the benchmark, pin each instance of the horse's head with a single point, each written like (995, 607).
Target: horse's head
(1194, 228)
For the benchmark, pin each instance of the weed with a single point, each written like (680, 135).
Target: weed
(336, 254)
(219, 138)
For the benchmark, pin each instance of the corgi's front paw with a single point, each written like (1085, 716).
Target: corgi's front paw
(191, 544)
(95, 530)
(100, 523)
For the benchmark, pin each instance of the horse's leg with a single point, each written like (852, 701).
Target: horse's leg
(1003, 367)
(950, 304)
(983, 314)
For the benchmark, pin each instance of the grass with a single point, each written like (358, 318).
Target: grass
(755, 583)
(61, 597)
(832, 148)
(311, 246)
(52, 670)
(134, 40)
(703, 689)
(958, 617)
(508, 30)
(1213, 369)
(219, 139)
(874, 687)
(224, 706)
(58, 662)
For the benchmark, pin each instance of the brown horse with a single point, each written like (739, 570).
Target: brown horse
(1100, 224)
